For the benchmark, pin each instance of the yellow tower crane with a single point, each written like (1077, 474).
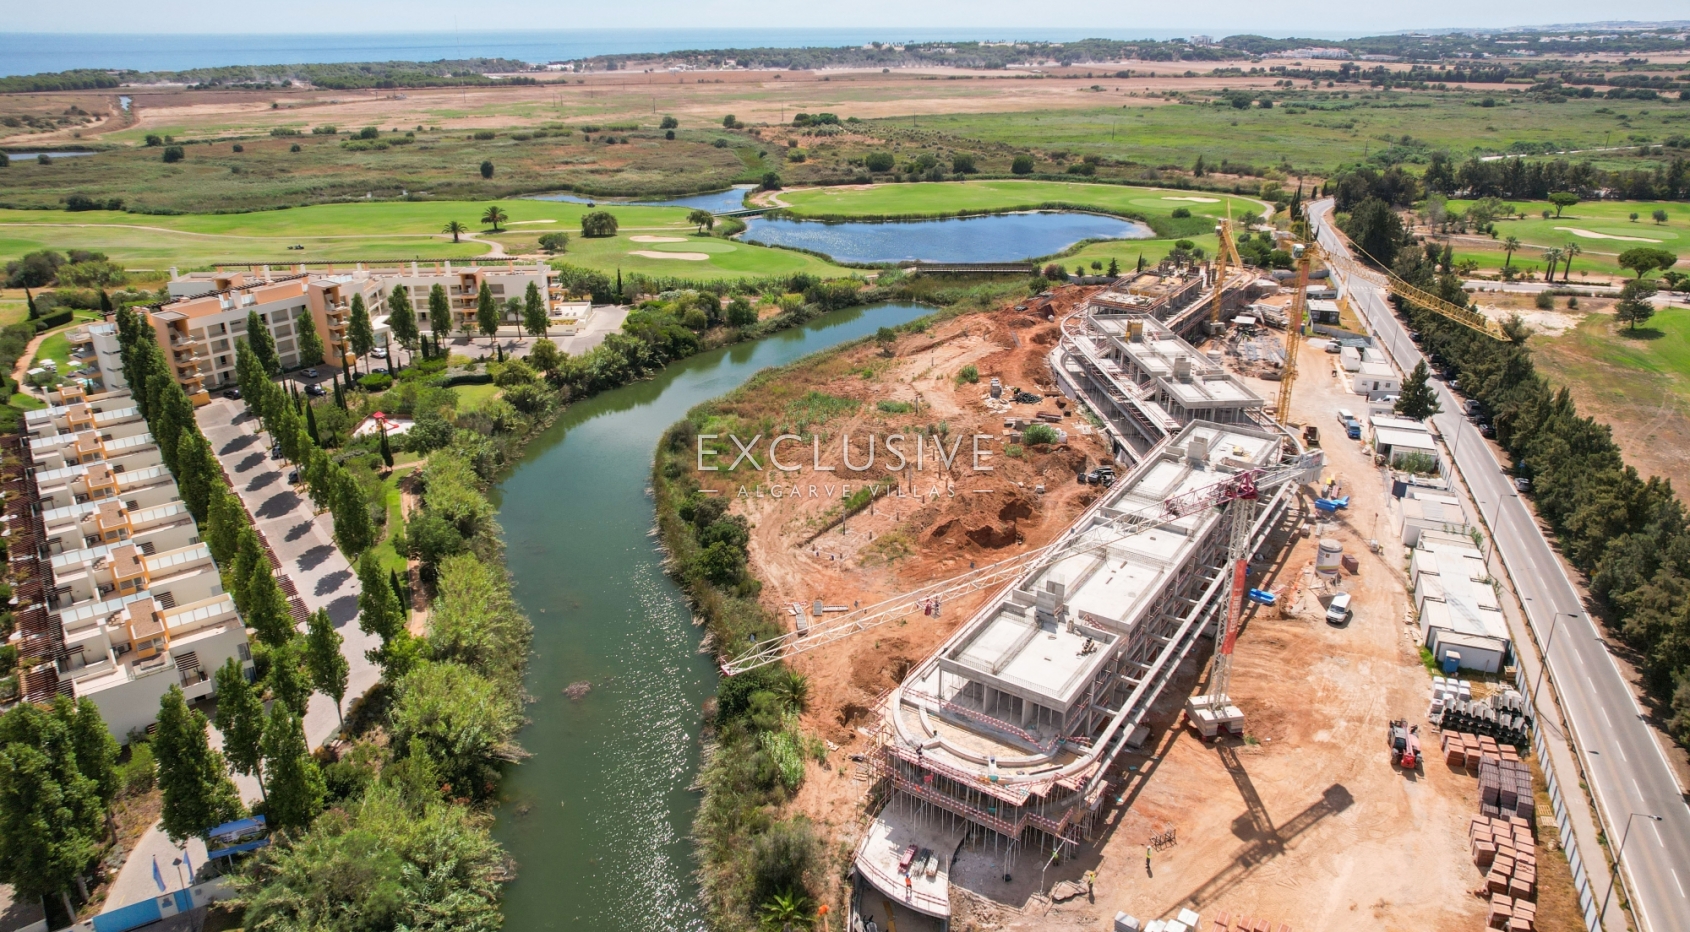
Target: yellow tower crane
(1226, 256)
(1304, 254)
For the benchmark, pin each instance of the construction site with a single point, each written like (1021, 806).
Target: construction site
(1213, 662)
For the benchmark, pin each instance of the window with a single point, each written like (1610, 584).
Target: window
(244, 650)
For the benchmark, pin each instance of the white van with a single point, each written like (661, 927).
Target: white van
(1345, 416)
(1339, 610)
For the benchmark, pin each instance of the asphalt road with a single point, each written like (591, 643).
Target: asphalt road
(1644, 810)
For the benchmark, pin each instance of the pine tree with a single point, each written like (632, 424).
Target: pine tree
(1417, 399)
(1114, 268)
(439, 313)
(339, 397)
(240, 717)
(198, 794)
(310, 342)
(386, 449)
(288, 681)
(295, 784)
(486, 312)
(263, 345)
(401, 318)
(323, 660)
(359, 332)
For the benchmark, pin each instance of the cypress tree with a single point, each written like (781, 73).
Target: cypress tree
(240, 717)
(223, 522)
(328, 667)
(386, 449)
(486, 312)
(359, 332)
(196, 470)
(339, 397)
(439, 313)
(398, 590)
(105, 303)
(197, 791)
(401, 319)
(263, 345)
(295, 784)
(311, 424)
(310, 343)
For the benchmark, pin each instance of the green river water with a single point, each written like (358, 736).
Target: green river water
(599, 818)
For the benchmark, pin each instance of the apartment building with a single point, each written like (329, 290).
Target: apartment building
(119, 599)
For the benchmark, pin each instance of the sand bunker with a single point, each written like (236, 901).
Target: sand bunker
(1200, 200)
(1592, 234)
(654, 254)
(647, 238)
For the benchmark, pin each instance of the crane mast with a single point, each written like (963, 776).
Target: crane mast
(1294, 330)
(1226, 256)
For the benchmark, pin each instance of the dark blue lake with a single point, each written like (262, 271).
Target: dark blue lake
(995, 238)
(719, 202)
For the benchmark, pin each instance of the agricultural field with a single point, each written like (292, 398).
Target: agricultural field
(1315, 132)
(1638, 381)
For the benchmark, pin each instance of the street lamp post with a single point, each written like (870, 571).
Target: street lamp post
(1620, 854)
(1544, 666)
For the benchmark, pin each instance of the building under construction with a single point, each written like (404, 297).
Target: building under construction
(1003, 738)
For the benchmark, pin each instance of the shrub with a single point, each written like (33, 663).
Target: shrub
(323, 130)
(295, 148)
(154, 140)
(368, 132)
(795, 155)
(669, 122)
(484, 134)
(238, 147)
(963, 164)
(1038, 433)
(376, 382)
(895, 407)
(283, 131)
(879, 161)
(1023, 165)
(1180, 213)
(554, 242)
(969, 373)
(598, 223)
(487, 169)
(1545, 301)
(174, 154)
(771, 181)
(670, 134)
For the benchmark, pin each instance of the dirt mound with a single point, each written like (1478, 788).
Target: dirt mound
(878, 669)
(993, 536)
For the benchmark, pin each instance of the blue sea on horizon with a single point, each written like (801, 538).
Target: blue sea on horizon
(33, 53)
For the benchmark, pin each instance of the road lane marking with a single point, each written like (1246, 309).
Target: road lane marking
(1680, 884)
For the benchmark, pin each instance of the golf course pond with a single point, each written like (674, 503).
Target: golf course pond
(599, 818)
(991, 238)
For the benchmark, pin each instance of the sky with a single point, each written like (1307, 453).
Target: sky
(1115, 17)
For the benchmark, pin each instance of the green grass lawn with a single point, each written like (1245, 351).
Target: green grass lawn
(943, 197)
(471, 397)
(55, 347)
(385, 553)
(387, 230)
(1601, 229)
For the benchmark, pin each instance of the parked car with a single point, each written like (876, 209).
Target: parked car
(1414, 335)
(1333, 347)
(1339, 611)
(293, 477)
(276, 453)
(379, 352)
(1522, 484)
(234, 393)
(315, 390)
(309, 373)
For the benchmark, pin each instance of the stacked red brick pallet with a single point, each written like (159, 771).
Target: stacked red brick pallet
(1225, 922)
(1504, 849)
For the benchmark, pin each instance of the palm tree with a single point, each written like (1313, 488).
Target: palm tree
(455, 228)
(1509, 247)
(1553, 257)
(786, 910)
(1569, 251)
(494, 216)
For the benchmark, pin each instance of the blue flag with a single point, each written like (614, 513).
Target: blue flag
(188, 861)
(158, 876)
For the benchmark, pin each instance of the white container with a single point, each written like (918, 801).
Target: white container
(1125, 923)
(1190, 919)
(1329, 556)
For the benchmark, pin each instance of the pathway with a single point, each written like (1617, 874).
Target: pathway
(304, 544)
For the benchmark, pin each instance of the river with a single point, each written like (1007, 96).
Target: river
(599, 818)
